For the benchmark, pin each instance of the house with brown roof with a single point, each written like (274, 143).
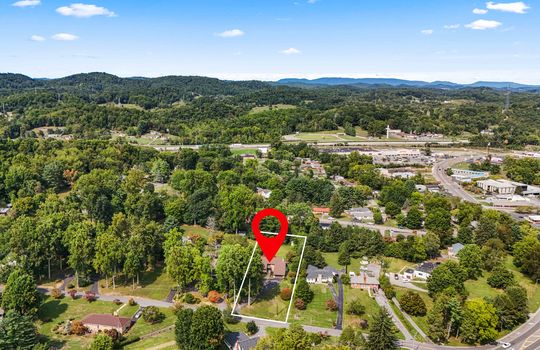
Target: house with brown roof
(102, 322)
(276, 268)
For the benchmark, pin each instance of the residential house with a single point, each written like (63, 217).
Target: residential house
(276, 268)
(263, 192)
(317, 210)
(316, 275)
(422, 271)
(5, 211)
(368, 277)
(454, 249)
(102, 322)
(240, 341)
(360, 214)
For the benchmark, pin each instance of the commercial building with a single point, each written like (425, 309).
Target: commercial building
(360, 214)
(496, 186)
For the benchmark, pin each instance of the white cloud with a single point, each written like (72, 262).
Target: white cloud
(514, 7)
(37, 38)
(478, 11)
(427, 31)
(483, 24)
(64, 37)
(452, 26)
(231, 33)
(26, 3)
(312, 1)
(84, 11)
(291, 51)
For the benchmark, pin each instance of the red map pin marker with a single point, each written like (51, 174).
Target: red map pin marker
(270, 245)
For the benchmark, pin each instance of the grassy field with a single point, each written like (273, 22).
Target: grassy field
(316, 314)
(153, 284)
(148, 343)
(141, 327)
(272, 107)
(244, 151)
(396, 265)
(372, 308)
(332, 260)
(269, 305)
(533, 289)
(53, 312)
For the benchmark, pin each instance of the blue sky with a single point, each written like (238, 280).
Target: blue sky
(457, 40)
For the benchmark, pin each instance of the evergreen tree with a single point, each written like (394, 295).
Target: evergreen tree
(17, 332)
(382, 335)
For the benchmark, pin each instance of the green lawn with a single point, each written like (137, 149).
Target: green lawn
(533, 289)
(480, 288)
(332, 260)
(141, 327)
(153, 284)
(269, 305)
(372, 308)
(396, 265)
(244, 151)
(53, 312)
(148, 343)
(198, 230)
(316, 314)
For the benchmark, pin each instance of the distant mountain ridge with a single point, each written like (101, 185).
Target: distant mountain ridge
(332, 81)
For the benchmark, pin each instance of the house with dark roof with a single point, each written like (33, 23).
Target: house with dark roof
(102, 322)
(276, 268)
(316, 275)
(240, 341)
(424, 270)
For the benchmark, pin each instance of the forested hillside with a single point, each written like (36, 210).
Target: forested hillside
(207, 110)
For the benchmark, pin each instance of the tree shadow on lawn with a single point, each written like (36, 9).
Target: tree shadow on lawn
(270, 290)
(51, 309)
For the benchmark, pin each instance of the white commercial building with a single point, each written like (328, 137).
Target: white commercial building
(494, 186)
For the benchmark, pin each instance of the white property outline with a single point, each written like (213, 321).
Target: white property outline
(294, 286)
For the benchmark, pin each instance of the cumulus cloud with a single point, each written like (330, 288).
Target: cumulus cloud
(483, 24)
(84, 11)
(427, 31)
(232, 33)
(37, 38)
(514, 7)
(291, 51)
(27, 3)
(451, 26)
(478, 11)
(64, 37)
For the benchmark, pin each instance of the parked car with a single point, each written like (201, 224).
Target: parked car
(505, 345)
(396, 276)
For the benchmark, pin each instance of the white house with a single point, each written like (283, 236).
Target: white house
(320, 276)
(422, 271)
(360, 214)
